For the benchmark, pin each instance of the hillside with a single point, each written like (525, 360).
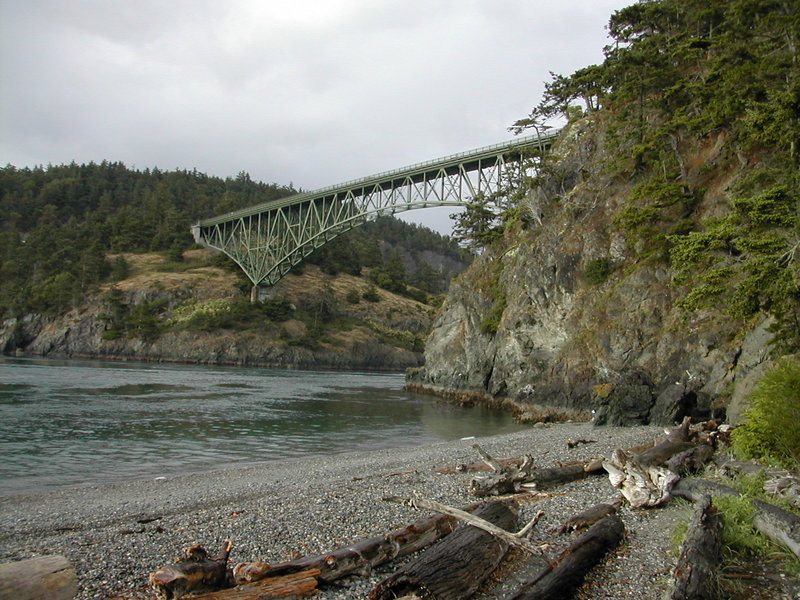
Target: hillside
(649, 269)
(195, 311)
(97, 260)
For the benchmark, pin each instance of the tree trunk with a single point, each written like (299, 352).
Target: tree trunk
(779, 525)
(41, 578)
(454, 568)
(695, 575)
(566, 573)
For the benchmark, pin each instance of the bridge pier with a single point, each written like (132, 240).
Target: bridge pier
(254, 294)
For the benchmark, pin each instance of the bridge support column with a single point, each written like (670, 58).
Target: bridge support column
(254, 294)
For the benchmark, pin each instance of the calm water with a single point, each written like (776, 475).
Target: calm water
(65, 423)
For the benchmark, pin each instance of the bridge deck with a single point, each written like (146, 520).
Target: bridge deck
(468, 160)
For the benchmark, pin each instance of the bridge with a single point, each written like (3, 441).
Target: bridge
(267, 240)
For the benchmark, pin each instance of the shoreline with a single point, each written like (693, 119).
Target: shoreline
(116, 534)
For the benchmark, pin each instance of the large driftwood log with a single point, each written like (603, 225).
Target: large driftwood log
(41, 578)
(695, 575)
(194, 572)
(360, 557)
(566, 573)
(779, 525)
(454, 568)
(646, 479)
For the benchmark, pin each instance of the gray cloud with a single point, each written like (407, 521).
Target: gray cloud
(312, 92)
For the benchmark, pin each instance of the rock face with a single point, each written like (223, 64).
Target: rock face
(619, 346)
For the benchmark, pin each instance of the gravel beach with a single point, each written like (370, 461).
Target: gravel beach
(115, 535)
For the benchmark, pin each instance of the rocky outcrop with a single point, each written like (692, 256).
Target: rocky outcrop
(376, 335)
(620, 346)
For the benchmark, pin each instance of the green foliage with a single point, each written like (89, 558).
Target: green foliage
(58, 224)
(391, 275)
(143, 320)
(494, 290)
(771, 430)
(229, 313)
(479, 225)
(371, 295)
(353, 297)
(746, 259)
(119, 268)
(738, 534)
(598, 270)
(491, 322)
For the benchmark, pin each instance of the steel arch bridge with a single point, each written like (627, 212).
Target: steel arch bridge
(268, 239)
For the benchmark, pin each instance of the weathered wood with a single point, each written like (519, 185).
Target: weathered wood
(646, 479)
(512, 479)
(566, 573)
(695, 575)
(518, 539)
(41, 578)
(779, 525)
(296, 585)
(360, 557)
(477, 467)
(454, 568)
(588, 517)
(194, 572)
(641, 486)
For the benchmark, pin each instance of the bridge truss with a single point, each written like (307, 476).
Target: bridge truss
(268, 239)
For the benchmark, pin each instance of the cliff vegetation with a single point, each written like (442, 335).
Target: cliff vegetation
(648, 269)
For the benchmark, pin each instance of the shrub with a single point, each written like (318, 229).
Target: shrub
(353, 297)
(598, 270)
(371, 295)
(771, 430)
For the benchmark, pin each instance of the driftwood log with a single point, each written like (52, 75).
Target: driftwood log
(194, 572)
(566, 573)
(779, 525)
(646, 479)
(511, 476)
(588, 517)
(297, 585)
(358, 558)
(41, 578)
(695, 575)
(454, 568)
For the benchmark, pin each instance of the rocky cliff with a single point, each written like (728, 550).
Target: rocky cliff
(572, 313)
(382, 334)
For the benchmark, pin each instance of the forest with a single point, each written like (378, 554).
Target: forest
(62, 229)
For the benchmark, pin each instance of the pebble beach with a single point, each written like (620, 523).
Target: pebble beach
(115, 535)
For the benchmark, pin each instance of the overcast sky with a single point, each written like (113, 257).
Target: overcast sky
(308, 92)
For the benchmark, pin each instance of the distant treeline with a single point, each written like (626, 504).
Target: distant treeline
(58, 224)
